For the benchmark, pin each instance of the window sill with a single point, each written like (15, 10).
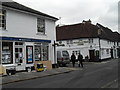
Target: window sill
(41, 34)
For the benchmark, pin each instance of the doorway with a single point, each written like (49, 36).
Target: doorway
(111, 51)
(19, 56)
(92, 55)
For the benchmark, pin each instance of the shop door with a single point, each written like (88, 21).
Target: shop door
(19, 58)
(111, 51)
(92, 55)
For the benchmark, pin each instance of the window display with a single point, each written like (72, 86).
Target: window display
(41, 52)
(38, 52)
(45, 52)
(7, 52)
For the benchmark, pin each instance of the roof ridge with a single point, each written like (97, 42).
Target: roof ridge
(22, 7)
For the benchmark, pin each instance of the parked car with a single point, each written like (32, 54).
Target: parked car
(63, 58)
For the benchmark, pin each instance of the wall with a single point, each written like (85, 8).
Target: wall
(84, 49)
(25, 26)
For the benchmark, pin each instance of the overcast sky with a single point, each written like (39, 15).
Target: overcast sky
(104, 12)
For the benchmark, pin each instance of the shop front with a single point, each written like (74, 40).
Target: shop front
(22, 53)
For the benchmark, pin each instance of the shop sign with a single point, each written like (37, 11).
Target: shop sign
(81, 42)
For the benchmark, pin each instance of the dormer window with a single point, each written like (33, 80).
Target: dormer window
(40, 26)
(2, 19)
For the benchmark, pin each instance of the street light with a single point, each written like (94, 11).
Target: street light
(54, 45)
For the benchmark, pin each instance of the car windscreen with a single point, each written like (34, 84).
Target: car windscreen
(65, 53)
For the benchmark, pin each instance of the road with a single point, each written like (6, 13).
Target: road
(98, 75)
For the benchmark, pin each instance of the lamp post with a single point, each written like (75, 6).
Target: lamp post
(55, 58)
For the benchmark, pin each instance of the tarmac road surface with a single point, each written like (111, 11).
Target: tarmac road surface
(98, 75)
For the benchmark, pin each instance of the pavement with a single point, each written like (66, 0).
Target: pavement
(21, 76)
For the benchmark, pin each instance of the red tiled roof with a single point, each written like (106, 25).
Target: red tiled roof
(85, 30)
(76, 31)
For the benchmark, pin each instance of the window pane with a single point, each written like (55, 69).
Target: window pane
(20, 43)
(16, 49)
(65, 53)
(16, 43)
(41, 25)
(20, 49)
(45, 51)
(16, 55)
(37, 52)
(3, 19)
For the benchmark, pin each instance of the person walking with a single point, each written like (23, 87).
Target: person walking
(80, 60)
(73, 59)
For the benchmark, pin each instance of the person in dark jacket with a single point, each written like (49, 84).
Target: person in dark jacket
(80, 60)
(73, 59)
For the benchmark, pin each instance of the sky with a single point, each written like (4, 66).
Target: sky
(104, 12)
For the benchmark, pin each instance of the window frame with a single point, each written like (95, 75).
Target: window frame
(3, 19)
(91, 40)
(43, 51)
(9, 51)
(40, 22)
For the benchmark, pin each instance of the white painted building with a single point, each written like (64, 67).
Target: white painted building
(92, 41)
(27, 35)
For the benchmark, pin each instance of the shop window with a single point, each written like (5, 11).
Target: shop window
(2, 19)
(40, 25)
(45, 52)
(7, 52)
(38, 52)
(41, 52)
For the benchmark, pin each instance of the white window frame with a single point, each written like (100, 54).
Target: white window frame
(91, 40)
(3, 19)
(40, 26)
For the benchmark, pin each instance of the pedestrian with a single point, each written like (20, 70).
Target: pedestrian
(73, 58)
(80, 60)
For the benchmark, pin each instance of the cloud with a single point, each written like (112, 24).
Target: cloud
(75, 11)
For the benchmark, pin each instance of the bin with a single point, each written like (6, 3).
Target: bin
(39, 67)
